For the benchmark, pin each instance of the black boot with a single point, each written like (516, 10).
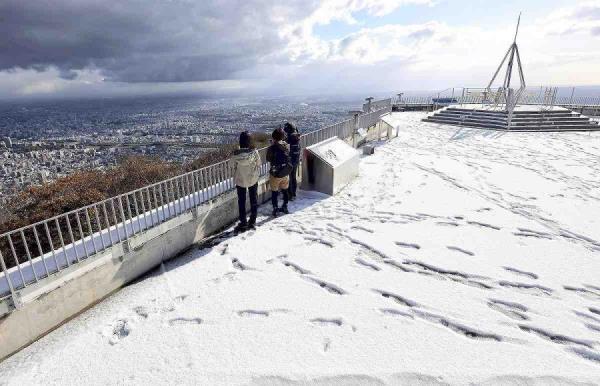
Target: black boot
(252, 222)
(240, 228)
(286, 198)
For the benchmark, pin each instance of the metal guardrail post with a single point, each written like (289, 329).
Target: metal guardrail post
(89, 224)
(82, 235)
(114, 213)
(11, 288)
(24, 241)
(73, 245)
(62, 242)
(99, 223)
(51, 246)
(39, 245)
(14, 253)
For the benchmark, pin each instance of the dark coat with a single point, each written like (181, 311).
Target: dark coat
(278, 154)
(293, 139)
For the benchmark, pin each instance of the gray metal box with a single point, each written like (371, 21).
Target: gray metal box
(328, 166)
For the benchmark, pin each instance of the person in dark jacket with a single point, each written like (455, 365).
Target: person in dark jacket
(246, 167)
(293, 140)
(278, 154)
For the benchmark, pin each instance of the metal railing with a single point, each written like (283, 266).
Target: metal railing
(46, 248)
(377, 105)
(525, 100)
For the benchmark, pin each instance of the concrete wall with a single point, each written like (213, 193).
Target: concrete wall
(45, 306)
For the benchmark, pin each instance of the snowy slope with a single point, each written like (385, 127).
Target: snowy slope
(457, 256)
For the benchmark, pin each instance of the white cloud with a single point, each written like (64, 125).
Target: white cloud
(557, 48)
(579, 19)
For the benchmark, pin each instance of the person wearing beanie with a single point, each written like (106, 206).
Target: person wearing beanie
(293, 140)
(278, 154)
(246, 170)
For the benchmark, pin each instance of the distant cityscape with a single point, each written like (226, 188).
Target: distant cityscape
(43, 141)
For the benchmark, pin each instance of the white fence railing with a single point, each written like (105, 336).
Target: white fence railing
(377, 105)
(41, 250)
(525, 100)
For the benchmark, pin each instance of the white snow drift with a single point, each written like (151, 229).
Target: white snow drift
(456, 256)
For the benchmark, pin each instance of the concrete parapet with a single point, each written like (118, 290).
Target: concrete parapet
(47, 305)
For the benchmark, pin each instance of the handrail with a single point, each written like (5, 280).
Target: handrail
(46, 247)
(588, 101)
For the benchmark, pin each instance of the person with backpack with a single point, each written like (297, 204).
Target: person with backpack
(278, 154)
(293, 140)
(246, 170)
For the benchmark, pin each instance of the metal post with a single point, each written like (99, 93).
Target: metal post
(149, 201)
(123, 218)
(144, 211)
(7, 277)
(51, 245)
(39, 245)
(14, 253)
(354, 122)
(110, 236)
(137, 212)
(156, 203)
(99, 227)
(82, 235)
(171, 191)
(179, 196)
(186, 190)
(143, 208)
(114, 213)
(162, 202)
(62, 242)
(70, 229)
(203, 186)
(28, 255)
(89, 224)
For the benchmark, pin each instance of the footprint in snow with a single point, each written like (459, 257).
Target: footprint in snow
(328, 322)
(253, 313)
(512, 310)
(458, 249)
(396, 313)
(141, 311)
(366, 264)
(183, 321)
(519, 272)
(407, 245)
(447, 223)
(583, 292)
(483, 225)
(181, 298)
(531, 289)
(119, 330)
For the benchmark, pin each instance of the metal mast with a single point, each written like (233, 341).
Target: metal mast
(505, 94)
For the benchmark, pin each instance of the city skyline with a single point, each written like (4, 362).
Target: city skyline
(81, 49)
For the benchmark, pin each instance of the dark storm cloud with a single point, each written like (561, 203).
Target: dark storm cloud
(142, 40)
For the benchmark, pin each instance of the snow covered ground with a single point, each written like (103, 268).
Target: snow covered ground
(457, 256)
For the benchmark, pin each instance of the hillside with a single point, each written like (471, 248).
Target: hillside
(457, 256)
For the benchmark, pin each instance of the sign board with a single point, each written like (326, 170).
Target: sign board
(328, 166)
(333, 151)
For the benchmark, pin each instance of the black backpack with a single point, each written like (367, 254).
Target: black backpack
(282, 166)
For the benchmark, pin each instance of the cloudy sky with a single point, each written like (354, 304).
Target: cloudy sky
(58, 48)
